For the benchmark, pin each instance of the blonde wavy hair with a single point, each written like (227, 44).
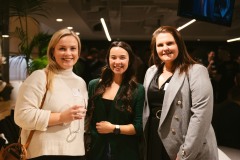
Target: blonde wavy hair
(52, 67)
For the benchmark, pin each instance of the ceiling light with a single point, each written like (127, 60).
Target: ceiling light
(59, 20)
(77, 33)
(105, 29)
(5, 36)
(187, 24)
(234, 39)
(69, 27)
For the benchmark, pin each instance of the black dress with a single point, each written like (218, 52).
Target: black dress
(107, 155)
(156, 150)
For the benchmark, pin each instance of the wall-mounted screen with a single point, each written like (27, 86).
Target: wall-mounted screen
(214, 11)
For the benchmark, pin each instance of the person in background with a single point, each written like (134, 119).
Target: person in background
(237, 59)
(226, 119)
(179, 103)
(5, 91)
(237, 78)
(59, 125)
(228, 70)
(140, 69)
(80, 68)
(9, 131)
(115, 107)
(212, 65)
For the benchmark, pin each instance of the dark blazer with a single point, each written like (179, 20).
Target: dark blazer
(185, 123)
(123, 147)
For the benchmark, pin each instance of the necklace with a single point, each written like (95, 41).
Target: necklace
(73, 133)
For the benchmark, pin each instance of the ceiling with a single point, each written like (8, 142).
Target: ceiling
(131, 19)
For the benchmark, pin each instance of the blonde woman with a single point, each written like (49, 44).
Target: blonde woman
(59, 124)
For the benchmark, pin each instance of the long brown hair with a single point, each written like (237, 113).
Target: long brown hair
(128, 84)
(183, 61)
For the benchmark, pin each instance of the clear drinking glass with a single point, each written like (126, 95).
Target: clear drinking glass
(77, 125)
(82, 103)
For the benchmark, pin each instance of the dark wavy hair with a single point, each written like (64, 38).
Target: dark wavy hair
(183, 60)
(128, 85)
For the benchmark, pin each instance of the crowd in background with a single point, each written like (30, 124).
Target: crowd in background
(224, 71)
(223, 67)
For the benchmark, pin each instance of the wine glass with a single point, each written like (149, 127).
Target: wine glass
(77, 125)
(82, 103)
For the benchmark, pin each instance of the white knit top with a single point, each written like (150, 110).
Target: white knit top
(53, 140)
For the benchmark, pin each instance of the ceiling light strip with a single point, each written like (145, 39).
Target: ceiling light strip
(234, 39)
(105, 29)
(5, 36)
(187, 24)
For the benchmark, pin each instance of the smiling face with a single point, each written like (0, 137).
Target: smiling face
(166, 47)
(66, 52)
(118, 60)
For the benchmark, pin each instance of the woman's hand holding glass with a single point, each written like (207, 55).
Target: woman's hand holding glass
(80, 107)
(76, 112)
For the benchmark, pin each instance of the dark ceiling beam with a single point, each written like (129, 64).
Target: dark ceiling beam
(114, 11)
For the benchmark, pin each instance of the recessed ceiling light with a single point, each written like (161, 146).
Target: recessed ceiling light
(59, 20)
(70, 27)
(5, 36)
(77, 33)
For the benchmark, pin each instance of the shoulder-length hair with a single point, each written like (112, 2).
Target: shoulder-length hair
(183, 60)
(52, 67)
(128, 84)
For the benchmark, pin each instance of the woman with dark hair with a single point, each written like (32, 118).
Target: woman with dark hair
(179, 103)
(115, 107)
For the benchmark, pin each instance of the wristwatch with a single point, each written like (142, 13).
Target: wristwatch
(116, 130)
